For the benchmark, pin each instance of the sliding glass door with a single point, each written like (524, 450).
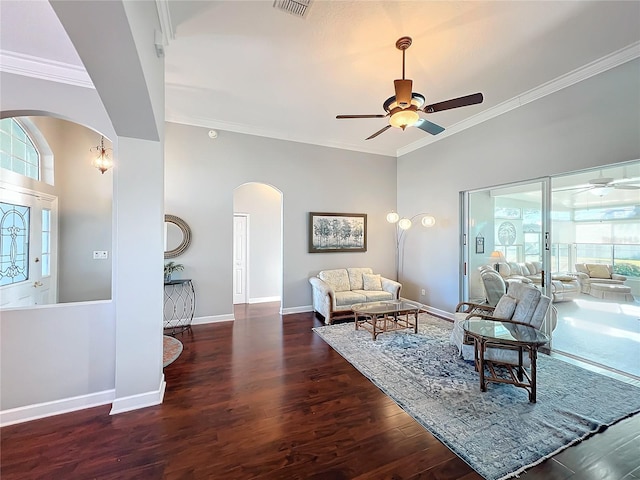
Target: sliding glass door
(508, 225)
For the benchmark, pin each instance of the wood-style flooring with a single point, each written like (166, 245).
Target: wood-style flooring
(264, 397)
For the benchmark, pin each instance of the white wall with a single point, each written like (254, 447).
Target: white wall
(263, 204)
(202, 174)
(593, 123)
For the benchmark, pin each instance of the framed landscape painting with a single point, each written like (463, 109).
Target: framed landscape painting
(337, 232)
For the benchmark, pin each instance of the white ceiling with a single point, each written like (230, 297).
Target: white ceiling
(245, 66)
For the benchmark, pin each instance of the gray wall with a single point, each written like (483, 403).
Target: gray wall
(202, 174)
(593, 123)
(263, 204)
(84, 211)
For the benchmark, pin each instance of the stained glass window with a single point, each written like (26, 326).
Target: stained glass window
(14, 243)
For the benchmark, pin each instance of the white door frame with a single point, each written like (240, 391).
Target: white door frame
(240, 258)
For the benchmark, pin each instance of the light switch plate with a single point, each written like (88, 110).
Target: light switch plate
(100, 254)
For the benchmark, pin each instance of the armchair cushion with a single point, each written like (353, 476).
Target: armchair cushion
(371, 281)
(505, 307)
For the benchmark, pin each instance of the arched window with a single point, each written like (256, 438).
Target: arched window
(17, 152)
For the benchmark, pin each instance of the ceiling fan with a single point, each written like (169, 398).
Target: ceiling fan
(602, 186)
(402, 109)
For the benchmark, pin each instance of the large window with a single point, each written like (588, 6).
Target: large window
(14, 243)
(17, 151)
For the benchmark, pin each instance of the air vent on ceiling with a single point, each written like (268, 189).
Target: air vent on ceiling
(299, 8)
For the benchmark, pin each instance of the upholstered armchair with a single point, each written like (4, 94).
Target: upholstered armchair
(494, 285)
(589, 273)
(522, 304)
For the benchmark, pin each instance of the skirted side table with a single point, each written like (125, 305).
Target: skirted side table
(179, 305)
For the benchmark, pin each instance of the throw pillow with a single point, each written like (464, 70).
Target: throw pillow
(505, 307)
(371, 281)
(599, 271)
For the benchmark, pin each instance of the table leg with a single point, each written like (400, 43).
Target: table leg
(483, 385)
(520, 364)
(415, 327)
(533, 355)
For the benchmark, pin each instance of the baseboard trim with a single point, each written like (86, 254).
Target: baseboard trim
(302, 309)
(141, 400)
(436, 312)
(213, 319)
(55, 407)
(263, 300)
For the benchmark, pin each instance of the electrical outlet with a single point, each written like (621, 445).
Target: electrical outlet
(100, 254)
(423, 292)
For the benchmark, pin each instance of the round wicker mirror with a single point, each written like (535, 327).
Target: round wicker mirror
(176, 240)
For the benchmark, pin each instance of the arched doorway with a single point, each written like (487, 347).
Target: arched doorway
(257, 244)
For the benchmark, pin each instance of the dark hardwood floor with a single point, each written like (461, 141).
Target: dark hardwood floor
(264, 397)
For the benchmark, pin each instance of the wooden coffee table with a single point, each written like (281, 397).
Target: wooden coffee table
(386, 316)
(505, 335)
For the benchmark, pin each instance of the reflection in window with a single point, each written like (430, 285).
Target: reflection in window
(46, 242)
(17, 151)
(14, 243)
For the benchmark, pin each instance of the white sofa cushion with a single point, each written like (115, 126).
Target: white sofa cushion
(337, 279)
(375, 295)
(355, 277)
(349, 298)
(505, 307)
(371, 281)
(598, 271)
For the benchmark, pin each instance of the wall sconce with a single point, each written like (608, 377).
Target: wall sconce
(402, 225)
(102, 160)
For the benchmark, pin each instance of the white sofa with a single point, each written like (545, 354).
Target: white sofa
(564, 287)
(334, 291)
(590, 273)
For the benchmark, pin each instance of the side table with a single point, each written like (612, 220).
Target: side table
(179, 305)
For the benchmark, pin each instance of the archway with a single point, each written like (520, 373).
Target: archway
(257, 246)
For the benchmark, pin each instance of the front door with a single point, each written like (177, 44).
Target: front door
(28, 233)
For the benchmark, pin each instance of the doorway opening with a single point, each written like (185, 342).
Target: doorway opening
(257, 244)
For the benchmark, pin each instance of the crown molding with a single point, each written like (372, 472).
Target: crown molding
(259, 132)
(37, 67)
(166, 26)
(624, 55)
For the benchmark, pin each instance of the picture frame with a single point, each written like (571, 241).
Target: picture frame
(479, 244)
(337, 232)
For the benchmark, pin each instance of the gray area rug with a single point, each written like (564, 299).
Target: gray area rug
(498, 433)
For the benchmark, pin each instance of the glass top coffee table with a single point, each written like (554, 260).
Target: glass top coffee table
(386, 316)
(510, 336)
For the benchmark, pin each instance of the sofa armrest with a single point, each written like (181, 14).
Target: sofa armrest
(391, 286)
(322, 286)
(581, 276)
(617, 276)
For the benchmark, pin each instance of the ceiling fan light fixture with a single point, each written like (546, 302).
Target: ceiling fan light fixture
(404, 118)
(601, 191)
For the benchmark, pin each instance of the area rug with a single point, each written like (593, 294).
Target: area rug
(498, 432)
(171, 349)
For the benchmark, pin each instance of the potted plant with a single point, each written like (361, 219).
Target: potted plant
(169, 268)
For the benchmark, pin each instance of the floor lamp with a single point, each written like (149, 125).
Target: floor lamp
(402, 225)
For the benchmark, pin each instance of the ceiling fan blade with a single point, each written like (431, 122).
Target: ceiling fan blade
(403, 92)
(454, 103)
(626, 187)
(429, 127)
(384, 129)
(361, 116)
